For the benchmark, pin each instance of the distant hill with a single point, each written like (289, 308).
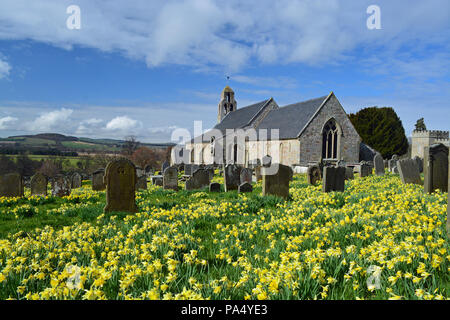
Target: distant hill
(54, 143)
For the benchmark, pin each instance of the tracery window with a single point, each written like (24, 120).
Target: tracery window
(330, 140)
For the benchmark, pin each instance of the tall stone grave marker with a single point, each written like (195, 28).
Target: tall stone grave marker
(97, 180)
(11, 185)
(349, 175)
(379, 164)
(333, 179)
(164, 166)
(199, 180)
(39, 185)
(409, 171)
(276, 184)
(365, 170)
(170, 178)
(314, 174)
(61, 186)
(232, 176)
(436, 168)
(76, 180)
(120, 179)
(246, 175)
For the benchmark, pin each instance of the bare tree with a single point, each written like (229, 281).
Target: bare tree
(130, 145)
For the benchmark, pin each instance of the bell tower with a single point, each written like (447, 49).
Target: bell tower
(227, 103)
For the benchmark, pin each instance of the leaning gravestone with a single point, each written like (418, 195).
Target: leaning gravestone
(61, 186)
(409, 171)
(170, 178)
(379, 164)
(164, 166)
(276, 184)
(97, 180)
(214, 187)
(76, 180)
(232, 176)
(199, 180)
(246, 175)
(436, 168)
(245, 187)
(141, 182)
(314, 174)
(11, 185)
(39, 185)
(120, 179)
(333, 179)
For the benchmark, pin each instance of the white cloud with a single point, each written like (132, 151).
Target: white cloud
(89, 126)
(231, 34)
(123, 123)
(5, 68)
(6, 122)
(53, 120)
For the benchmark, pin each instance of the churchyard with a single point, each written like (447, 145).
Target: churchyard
(374, 234)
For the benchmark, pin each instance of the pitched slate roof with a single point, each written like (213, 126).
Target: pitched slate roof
(291, 119)
(240, 117)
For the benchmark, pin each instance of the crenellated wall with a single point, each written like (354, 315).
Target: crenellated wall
(424, 138)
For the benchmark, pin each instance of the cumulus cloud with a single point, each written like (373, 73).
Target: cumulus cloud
(123, 123)
(52, 120)
(5, 122)
(231, 34)
(5, 68)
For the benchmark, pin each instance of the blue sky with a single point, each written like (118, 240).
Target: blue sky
(148, 67)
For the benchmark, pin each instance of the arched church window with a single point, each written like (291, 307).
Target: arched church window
(235, 151)
(330, 140)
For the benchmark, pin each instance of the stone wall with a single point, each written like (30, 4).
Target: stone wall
(311, 138)
(425, 138)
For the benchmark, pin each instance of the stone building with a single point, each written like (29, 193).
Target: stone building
(296, 135)
(425, 138)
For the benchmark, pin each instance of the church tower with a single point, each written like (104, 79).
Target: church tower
(227, 103)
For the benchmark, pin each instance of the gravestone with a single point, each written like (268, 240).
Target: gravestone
(409, 171)
(11, 185)
(245, 187)
(141, 182)
(246, 175)
(198, 180)
(276, 184)
(98, 183)
(157, 180)
(436, 168)
(61, 186)
(232, 176)
(120, 179)
(349, 175)
(214, 187)
(258, 174)
(76, 180)
(419, 161)
(333, 179)
(379, 164)
(266, 161)
(364, 170)
(148, 170)
(39, 185)
(170, 178)
(314, 174)
(210, 169)
(139, 172)
(164, 166)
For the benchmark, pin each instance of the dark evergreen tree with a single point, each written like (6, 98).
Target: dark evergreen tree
(381, 129)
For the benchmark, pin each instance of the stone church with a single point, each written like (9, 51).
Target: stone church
(297, 135)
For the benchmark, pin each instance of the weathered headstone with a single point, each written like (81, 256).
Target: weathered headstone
(98, 183)
(170, 178)
(61, 186)
(120, 179)
(214, 187)
(349, 175)
(246, 175)
(333, 179)
(379, 164)
(199, 180)
(39, 185)
(141, 182)
(157, 180)
(11, 185)
(409, 171)
(245, 187)
(164, 166)
(436, 168)
(76, 180)
(419, 161)
(232, 176)
(276, 184)
(314, 174)
(266, 161)
(365, 170)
